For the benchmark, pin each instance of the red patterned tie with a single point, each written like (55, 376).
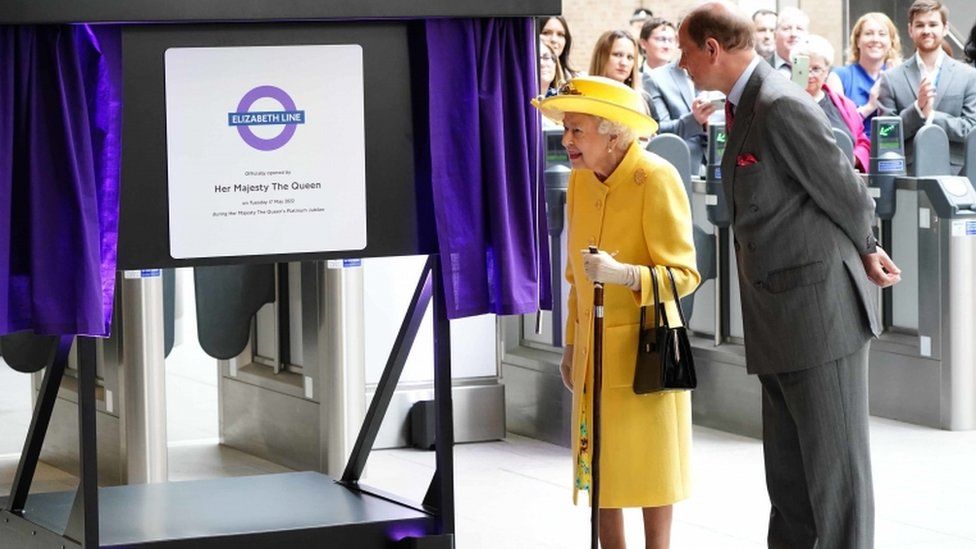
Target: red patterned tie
(728, 117)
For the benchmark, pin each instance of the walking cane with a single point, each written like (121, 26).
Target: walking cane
(597, 397)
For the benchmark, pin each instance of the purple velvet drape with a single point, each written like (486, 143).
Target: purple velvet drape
(60, 123)
(485, 153)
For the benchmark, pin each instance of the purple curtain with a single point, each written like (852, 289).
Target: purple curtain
(60, 123)
(485, 154)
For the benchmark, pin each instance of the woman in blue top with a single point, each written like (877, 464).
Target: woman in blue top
(875, 47)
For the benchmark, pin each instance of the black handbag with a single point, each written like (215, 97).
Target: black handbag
(664, 360)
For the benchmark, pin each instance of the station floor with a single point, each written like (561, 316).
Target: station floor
(515, 493)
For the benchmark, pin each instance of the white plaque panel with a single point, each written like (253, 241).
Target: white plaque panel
(266, 150)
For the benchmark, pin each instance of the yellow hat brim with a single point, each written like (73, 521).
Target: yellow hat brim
(556, 106)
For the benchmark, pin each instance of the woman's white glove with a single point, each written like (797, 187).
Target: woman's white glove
(602, 267)
(566, 367)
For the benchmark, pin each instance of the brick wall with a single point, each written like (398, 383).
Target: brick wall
(590, 18)
(827, 20)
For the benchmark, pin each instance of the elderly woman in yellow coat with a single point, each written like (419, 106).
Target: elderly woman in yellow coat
(632, 206)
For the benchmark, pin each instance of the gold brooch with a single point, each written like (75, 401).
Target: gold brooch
(569, 89)
(640, 176)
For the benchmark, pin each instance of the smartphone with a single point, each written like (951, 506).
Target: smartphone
(801, 70)
(717, 99)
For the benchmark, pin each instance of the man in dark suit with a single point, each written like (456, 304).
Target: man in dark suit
(930, 87)
(806, 259)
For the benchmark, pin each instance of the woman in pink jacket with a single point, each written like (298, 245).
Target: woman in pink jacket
(841, 111)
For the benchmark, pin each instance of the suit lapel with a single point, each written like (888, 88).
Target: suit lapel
(744, 113)
(913, 76)
(945, 79)
(682, 84)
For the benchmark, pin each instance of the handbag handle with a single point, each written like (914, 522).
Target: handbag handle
(677, 300)
(658, 306)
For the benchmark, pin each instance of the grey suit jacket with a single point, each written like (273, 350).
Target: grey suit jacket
(955, 103)
(669, 92)
(802, 218)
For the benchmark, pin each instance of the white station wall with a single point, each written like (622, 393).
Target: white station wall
(388, 285)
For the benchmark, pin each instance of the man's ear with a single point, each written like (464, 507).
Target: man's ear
(711, 48)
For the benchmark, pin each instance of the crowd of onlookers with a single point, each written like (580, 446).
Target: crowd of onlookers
(927, 87)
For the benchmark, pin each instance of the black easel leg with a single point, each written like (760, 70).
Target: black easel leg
(441, 493)
(390, 378)
(43, 410)
(83, 521)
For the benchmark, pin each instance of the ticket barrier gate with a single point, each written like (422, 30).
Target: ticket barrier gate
(537, 404)
(297, 367)
(844, 143)
(727, 398)
(130, 376)
(922, 367)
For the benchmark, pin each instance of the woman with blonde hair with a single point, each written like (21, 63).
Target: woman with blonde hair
(631, 205)
(875, 48)
(616, 56)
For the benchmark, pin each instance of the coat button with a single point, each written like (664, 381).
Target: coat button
(753, 208)
(752, 246)
(735, 243)
(598, 204)
(759, 284)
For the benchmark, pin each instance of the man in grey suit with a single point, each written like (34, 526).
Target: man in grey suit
(792, 26)
(806, 258)
(931, 87)
(674, 105)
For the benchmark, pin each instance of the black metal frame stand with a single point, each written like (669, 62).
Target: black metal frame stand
(82, 531)
(440, 495)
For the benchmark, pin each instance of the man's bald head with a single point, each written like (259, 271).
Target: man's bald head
(716, 41)
(723, 21)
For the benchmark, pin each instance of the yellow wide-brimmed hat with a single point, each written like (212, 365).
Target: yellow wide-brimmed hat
(601, 97)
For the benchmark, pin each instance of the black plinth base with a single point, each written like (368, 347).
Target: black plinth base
(292, 510)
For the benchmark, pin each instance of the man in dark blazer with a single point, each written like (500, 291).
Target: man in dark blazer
(673, 104)
(930, 86)
(802, 220)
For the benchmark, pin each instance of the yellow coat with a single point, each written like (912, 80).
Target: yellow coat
(641, 213)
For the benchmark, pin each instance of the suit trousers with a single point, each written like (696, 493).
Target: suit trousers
(817, 456)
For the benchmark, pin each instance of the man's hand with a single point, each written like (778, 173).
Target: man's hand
(926, 97)
(602, 267)
(701, 109)
(881, 269)
(566, 367)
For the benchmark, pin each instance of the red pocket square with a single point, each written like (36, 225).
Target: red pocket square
(747, 159)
